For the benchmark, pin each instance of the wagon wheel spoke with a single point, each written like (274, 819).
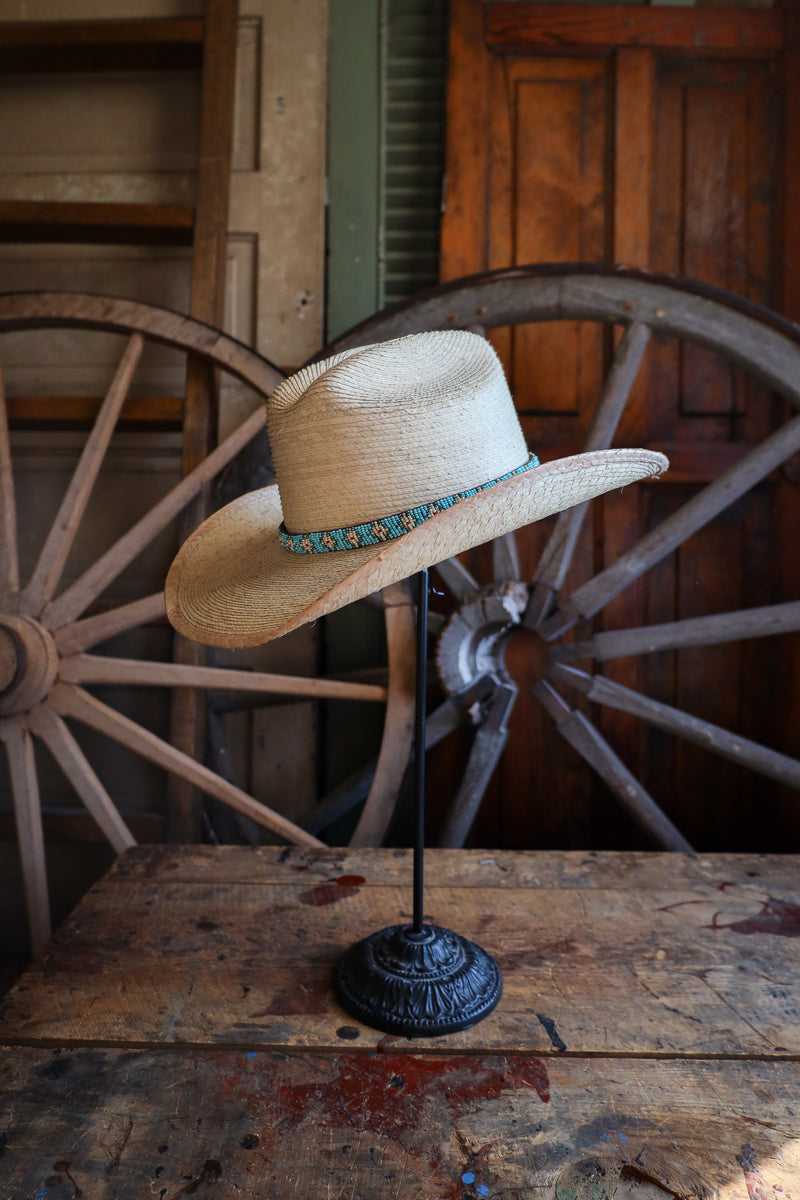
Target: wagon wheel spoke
(72, 602)
(702, 733)
(678, 635)
(82, 635)
(9, 559)
(584, 737)
(230, 700)
(450, 714)
(484, 756)
(89, 668)
(698, 511)
(54, 553)
(505, 560)
(71, 701)
(456, 578)
(28, 815)
(48, 725)
(558, 552)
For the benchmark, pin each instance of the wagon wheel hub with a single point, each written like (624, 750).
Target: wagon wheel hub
(28, 664)
(473, 641)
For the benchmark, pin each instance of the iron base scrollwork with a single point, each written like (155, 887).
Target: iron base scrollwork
(417, 984)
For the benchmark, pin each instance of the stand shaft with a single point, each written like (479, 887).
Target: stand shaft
(420, 714)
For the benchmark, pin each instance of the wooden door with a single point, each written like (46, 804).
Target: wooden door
(654, 138)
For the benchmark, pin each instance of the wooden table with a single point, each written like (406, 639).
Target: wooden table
(179, 1036)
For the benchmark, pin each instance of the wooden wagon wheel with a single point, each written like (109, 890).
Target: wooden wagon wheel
(470, 647)
(48, 636)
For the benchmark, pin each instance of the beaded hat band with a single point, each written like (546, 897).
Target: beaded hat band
(372, 533)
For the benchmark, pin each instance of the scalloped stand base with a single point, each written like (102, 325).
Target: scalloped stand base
(417, 984)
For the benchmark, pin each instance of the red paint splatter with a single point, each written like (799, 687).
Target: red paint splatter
(388, 1091)
(778, 917)
(389, 1094)
(294, 1101)
(754, 1180)
(331, 893)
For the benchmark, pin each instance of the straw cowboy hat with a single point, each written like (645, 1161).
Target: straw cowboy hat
(388, 459)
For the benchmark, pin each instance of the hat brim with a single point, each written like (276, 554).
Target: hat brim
(234, 585)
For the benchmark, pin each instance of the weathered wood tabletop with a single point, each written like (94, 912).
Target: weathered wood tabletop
(179, 1036)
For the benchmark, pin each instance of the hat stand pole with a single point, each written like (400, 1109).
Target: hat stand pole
(418, 980)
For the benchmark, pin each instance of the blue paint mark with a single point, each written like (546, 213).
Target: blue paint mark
(623, 1137)
(468, 1177)
(251, 1054)
(604, 1136)
(482, 1189)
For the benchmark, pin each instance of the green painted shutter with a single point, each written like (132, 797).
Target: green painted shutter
(413, 82)
(385, 153)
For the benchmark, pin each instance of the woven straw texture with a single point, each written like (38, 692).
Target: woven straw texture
(356, 438)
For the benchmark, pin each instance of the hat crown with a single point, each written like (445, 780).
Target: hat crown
(378, 430)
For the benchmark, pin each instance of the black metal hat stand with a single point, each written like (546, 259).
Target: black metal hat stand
(418, 980)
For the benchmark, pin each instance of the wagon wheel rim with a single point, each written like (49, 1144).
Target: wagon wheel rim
(641, 304)
(48, 633)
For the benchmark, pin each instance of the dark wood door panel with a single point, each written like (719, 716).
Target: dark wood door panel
(716, 153)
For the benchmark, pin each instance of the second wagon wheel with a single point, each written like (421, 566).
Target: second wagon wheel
(58, 621)
(587, 623)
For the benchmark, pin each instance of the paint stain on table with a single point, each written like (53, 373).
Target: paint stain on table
(331, 893)
(778, 917)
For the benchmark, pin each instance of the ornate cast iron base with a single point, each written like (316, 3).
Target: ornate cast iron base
(417, 984)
